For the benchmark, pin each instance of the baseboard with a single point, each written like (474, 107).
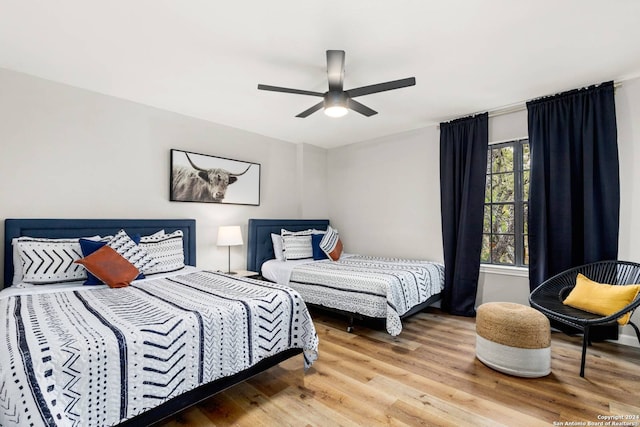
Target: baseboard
(623, 339)
(629, 340)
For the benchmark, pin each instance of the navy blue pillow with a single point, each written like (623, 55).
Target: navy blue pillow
(90, 246)
(318, 253)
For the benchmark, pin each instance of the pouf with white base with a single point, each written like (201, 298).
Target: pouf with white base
(514, 339)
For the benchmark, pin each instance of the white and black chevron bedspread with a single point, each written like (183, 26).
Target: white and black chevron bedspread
(99, 356)
(370, 286)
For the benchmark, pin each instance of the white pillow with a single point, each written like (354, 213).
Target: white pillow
(18, 276)
(17, 262)
(46, 261)
(276, 239)
(167, 249)
(297, 245)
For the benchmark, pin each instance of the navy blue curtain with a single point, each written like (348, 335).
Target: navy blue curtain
(574, 201)
(463, 166)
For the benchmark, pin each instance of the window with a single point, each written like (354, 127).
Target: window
(506, 203)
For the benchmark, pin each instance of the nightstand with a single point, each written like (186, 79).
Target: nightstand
(247, 273)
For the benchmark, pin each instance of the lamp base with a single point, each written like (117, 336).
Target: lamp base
(231, 272)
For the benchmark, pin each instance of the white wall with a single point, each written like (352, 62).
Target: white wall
(71, 153)
(628, 121)
(385, 195)
(312, 182)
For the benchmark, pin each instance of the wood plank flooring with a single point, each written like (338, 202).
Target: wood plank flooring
(427, 376)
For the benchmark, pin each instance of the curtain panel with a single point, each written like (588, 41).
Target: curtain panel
(463, 164)
(574, 202)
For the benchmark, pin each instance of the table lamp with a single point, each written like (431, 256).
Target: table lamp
(229, 235)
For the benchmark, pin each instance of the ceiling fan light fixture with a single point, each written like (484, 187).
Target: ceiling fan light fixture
(336, 111)
(335, 104)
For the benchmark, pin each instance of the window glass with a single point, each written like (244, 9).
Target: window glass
(505, 238)
(502, 189)
(503, 249)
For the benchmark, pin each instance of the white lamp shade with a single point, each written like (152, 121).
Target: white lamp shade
(229, 235)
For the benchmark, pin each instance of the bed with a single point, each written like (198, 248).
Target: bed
(358, 286)
(96, 355)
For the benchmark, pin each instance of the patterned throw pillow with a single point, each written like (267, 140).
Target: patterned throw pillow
(167, 249)
(331, 244)
(296, 245)
(49, 260)
(135, 254)
(156, 234)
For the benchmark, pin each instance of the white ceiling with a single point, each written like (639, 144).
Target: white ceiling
(204, 58)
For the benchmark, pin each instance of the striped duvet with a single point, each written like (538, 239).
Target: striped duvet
(98, 356)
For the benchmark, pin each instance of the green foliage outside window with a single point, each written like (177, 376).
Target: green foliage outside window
(504, 239)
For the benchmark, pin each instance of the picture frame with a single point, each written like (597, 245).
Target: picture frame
(204, 178)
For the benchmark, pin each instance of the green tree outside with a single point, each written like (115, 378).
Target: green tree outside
(506, 204)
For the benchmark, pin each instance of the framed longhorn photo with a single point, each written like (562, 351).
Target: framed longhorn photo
(210, 179)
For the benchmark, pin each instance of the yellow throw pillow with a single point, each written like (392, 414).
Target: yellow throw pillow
(601, 298)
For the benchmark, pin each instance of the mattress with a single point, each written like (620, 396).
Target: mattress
(98, 356)
(370, 286)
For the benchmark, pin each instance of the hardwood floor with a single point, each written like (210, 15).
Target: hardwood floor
(427, 376)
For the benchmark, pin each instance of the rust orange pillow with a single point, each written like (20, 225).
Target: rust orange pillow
(337, 251)
(331, 244)
(601, 298)
(110, 267)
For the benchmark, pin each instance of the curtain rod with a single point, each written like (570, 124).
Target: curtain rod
(521, 106)
(514, 108)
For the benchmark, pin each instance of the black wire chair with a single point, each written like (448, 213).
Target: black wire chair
(549, 295)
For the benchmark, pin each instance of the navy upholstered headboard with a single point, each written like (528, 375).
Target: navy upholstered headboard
(61, 228)
(259, 245)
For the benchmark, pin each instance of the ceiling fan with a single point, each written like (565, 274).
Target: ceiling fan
(337, 101)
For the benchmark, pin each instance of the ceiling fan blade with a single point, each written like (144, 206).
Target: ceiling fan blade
(360, 108)
(287, 90)
(380, 87)
(311, 110)
(335, 69)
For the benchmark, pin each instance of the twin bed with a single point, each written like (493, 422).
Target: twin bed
(95, 355)
(355, 285)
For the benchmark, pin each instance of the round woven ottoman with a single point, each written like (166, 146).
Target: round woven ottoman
(514, 339)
